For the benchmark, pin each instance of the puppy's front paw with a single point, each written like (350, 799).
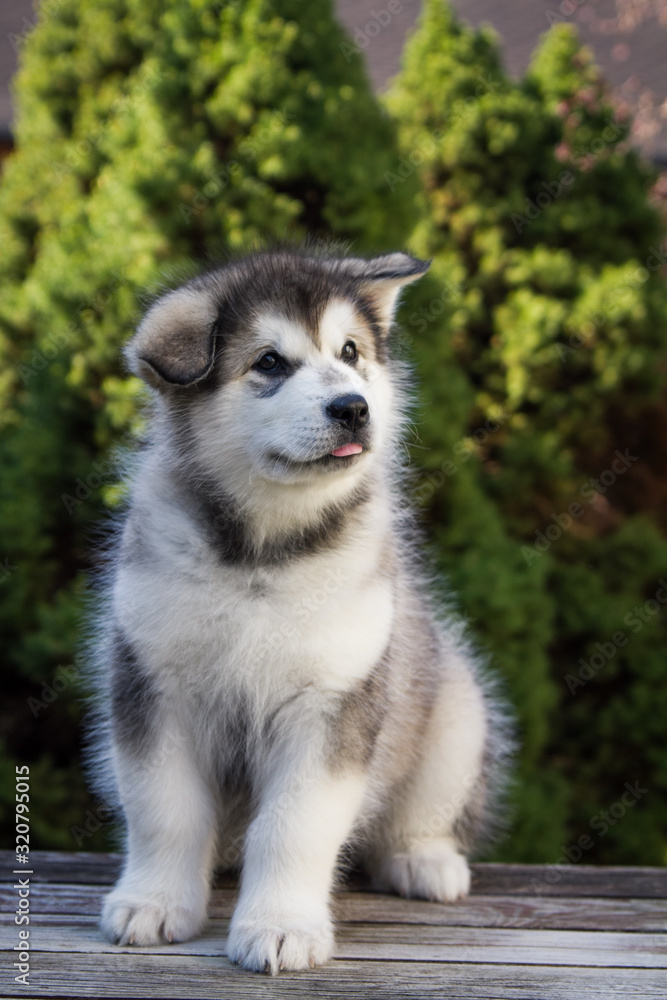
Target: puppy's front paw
(127, 920)
(434, 870)
(276, 942)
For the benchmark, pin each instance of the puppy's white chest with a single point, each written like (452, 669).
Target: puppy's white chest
(322, 628)
(317, 621)
(327, 631)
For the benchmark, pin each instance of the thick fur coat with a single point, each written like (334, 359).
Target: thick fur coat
(278, 691)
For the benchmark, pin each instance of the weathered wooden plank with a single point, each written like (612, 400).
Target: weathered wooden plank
(570, 880)
(66, 866)
(555, 913)
(205, 978)
(400, 942)
(51, 898)
(537, 912)
(488, 879)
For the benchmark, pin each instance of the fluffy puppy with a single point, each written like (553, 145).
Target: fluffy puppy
(277, 685)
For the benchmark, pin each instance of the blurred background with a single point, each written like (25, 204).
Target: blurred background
(523, 147)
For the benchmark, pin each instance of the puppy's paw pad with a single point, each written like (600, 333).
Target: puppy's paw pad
(126, 921)
(434, 871)
(272, 946)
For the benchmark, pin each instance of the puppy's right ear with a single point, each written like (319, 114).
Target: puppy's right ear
(175, 342)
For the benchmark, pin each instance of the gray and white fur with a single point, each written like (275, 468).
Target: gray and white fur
(278, 690)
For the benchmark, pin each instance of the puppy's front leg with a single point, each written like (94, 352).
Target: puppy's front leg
(307, 811)
(162, 893)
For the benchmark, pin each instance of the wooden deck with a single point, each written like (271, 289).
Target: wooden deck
(526, 932)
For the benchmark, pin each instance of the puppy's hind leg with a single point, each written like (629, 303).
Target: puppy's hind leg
(170, 812)
(441, 807)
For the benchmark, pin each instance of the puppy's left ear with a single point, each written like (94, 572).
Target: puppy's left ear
(382, 278)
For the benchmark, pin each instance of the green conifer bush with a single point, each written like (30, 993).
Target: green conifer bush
(150, 135)
(540, 343)
(153, 136)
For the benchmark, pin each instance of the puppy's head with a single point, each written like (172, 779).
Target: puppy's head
(277, 365)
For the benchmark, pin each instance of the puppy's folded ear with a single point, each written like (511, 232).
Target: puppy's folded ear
(382, 278)
(175, 342)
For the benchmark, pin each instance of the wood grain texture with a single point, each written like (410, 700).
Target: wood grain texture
(590, 933)
(540, 913)
(399, 942)
(488, 879)
(204, 978)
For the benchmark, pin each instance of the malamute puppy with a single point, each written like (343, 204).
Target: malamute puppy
(278, 686)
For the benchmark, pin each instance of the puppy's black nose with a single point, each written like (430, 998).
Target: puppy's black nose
(350, 410)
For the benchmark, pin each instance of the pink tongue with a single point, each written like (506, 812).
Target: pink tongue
(347, 449)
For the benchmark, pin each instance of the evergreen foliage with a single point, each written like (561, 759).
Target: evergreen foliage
(149, 135)
(540, 341)
(154, 135)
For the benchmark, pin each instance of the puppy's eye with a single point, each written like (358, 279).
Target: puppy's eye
(270, 362)
(349, 352)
